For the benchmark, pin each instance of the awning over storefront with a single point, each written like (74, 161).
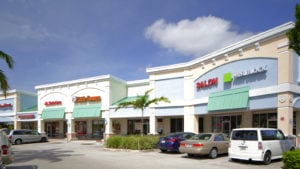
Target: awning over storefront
(229, 99)
(6, 119)
(53, 113)
(87, 111)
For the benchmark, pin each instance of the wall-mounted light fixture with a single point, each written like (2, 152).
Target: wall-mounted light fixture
(241, 52)
(202, 64)
(226, 57)
(257, 46)
(213, 61)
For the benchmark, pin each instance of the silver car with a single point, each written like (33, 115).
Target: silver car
(26, 136)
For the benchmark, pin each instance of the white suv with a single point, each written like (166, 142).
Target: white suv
(258, 144)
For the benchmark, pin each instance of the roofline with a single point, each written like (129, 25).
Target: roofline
(251, 40)
(95, 78)
(12, 91)
(138, 82)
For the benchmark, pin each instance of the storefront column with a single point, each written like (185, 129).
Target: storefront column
(247, 119)
(108, 128)
(152, 124)
(285, 113)
(41, 126)
(285, 120)
(207, 123)
(190, 120)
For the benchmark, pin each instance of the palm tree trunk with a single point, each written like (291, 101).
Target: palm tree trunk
(142, 131)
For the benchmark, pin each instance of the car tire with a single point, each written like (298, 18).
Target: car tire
(213, 153)
(43, 139)
(190, 155)
(163, 150)
(18, 141)
(267, 158)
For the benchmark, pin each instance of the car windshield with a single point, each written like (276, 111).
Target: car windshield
(201, 137)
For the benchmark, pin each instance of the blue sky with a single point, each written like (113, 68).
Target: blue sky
(59, 40)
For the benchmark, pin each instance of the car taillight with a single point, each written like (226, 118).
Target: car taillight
(172, 140)
(4, 149)
(260, 146)
(182, 144)
(198, 145)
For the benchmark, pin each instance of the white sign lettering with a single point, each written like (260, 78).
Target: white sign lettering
(251, 71)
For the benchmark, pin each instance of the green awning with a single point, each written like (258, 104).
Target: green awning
(87, 111)
(229, 99)
(53, 113)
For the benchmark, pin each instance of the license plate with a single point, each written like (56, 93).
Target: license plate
(188, 146)
(163, 141)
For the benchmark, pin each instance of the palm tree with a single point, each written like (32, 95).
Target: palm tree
(3, 80)
(142, 102)
(294, 34)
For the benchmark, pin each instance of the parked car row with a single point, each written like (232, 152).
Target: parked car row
(253, 144)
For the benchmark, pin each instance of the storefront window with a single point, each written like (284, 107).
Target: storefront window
(52, 129)
(176, 124)
(29, 125)
(98, 129)
(268, 120)
(225, 124)
(81, 128)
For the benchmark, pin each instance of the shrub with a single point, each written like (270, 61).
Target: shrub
(291, 159)
(133, 142)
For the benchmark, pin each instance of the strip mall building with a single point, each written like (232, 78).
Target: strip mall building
(253, 83)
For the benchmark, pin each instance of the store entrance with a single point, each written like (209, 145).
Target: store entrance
(52, 129)
(225, 123)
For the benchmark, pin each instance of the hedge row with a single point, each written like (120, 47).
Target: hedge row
(291, 160)
(133, 142)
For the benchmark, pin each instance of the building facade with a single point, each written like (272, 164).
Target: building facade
(79, 108)
(252, 83)
(18, 110)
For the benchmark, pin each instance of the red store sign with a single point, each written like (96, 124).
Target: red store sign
(53, 103)
(207, 83)
(26, 116)
(5, 105)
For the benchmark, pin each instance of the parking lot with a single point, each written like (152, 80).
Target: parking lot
(59, 154)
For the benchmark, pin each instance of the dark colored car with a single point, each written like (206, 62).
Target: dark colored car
(171, 142)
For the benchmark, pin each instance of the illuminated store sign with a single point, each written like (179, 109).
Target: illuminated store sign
(207, 83)
(87, 99)
(53, 103)
(5, 105)
(26, 116)
(251, 71)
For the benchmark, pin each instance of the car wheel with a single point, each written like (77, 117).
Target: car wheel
(163, 150)
(267, 158)
(18, 141)
(213, 153)
(190, 155)
(43, 139)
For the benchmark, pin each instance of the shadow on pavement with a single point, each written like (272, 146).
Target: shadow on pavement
(22, 167)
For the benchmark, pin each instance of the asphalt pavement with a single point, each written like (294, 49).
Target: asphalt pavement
(60, 154)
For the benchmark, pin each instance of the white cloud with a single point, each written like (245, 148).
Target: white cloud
(196, 37)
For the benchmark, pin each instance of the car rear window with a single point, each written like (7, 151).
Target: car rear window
(201, 137)
(244, 135)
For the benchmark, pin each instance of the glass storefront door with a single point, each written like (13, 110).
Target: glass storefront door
(52, 129)
(224, 124)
